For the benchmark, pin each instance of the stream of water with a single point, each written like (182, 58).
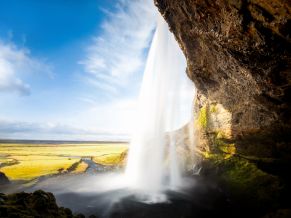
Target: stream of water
(165, 105)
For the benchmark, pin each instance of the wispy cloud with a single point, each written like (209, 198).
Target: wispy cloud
(111, 121)
(118, 52)
(46, 131)
(16, 63)
(114, 57)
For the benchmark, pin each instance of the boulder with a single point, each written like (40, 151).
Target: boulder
(36, 204)
(3, 179)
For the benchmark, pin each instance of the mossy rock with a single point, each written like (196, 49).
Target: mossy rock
(213, 108)
(202, 119)
(244, 181)
(29, 205)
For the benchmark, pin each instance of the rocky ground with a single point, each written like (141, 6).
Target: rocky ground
(86, 195)
(36, 204)
(202, 199)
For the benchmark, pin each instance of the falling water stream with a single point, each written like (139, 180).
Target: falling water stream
(164, 106)
(153, 172)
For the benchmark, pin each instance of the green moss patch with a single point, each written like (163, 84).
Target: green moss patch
(213, 108)
(246, 181)
(202, 119)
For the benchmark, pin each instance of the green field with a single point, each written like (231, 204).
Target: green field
(30, 161)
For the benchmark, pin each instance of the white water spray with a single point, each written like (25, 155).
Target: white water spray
(164, 106)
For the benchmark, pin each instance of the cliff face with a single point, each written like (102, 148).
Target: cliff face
(238, 55)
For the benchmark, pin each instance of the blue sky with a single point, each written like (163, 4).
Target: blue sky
(71, 69)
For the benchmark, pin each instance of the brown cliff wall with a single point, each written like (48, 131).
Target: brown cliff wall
(238, 55)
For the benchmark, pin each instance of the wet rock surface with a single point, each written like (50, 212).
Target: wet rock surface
(238, 55)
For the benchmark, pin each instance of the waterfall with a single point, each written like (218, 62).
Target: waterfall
(164, 106)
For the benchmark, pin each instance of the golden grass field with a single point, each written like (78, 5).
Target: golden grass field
(30, 161)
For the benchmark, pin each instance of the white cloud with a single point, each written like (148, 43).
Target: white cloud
(14, 64)
(112, 120)
(117, 115)
(54, 131)
(114, 57)
(118, 52)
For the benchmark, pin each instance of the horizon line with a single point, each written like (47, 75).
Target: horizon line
(61, 141)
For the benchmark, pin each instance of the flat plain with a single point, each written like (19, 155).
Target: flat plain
(28, 161)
